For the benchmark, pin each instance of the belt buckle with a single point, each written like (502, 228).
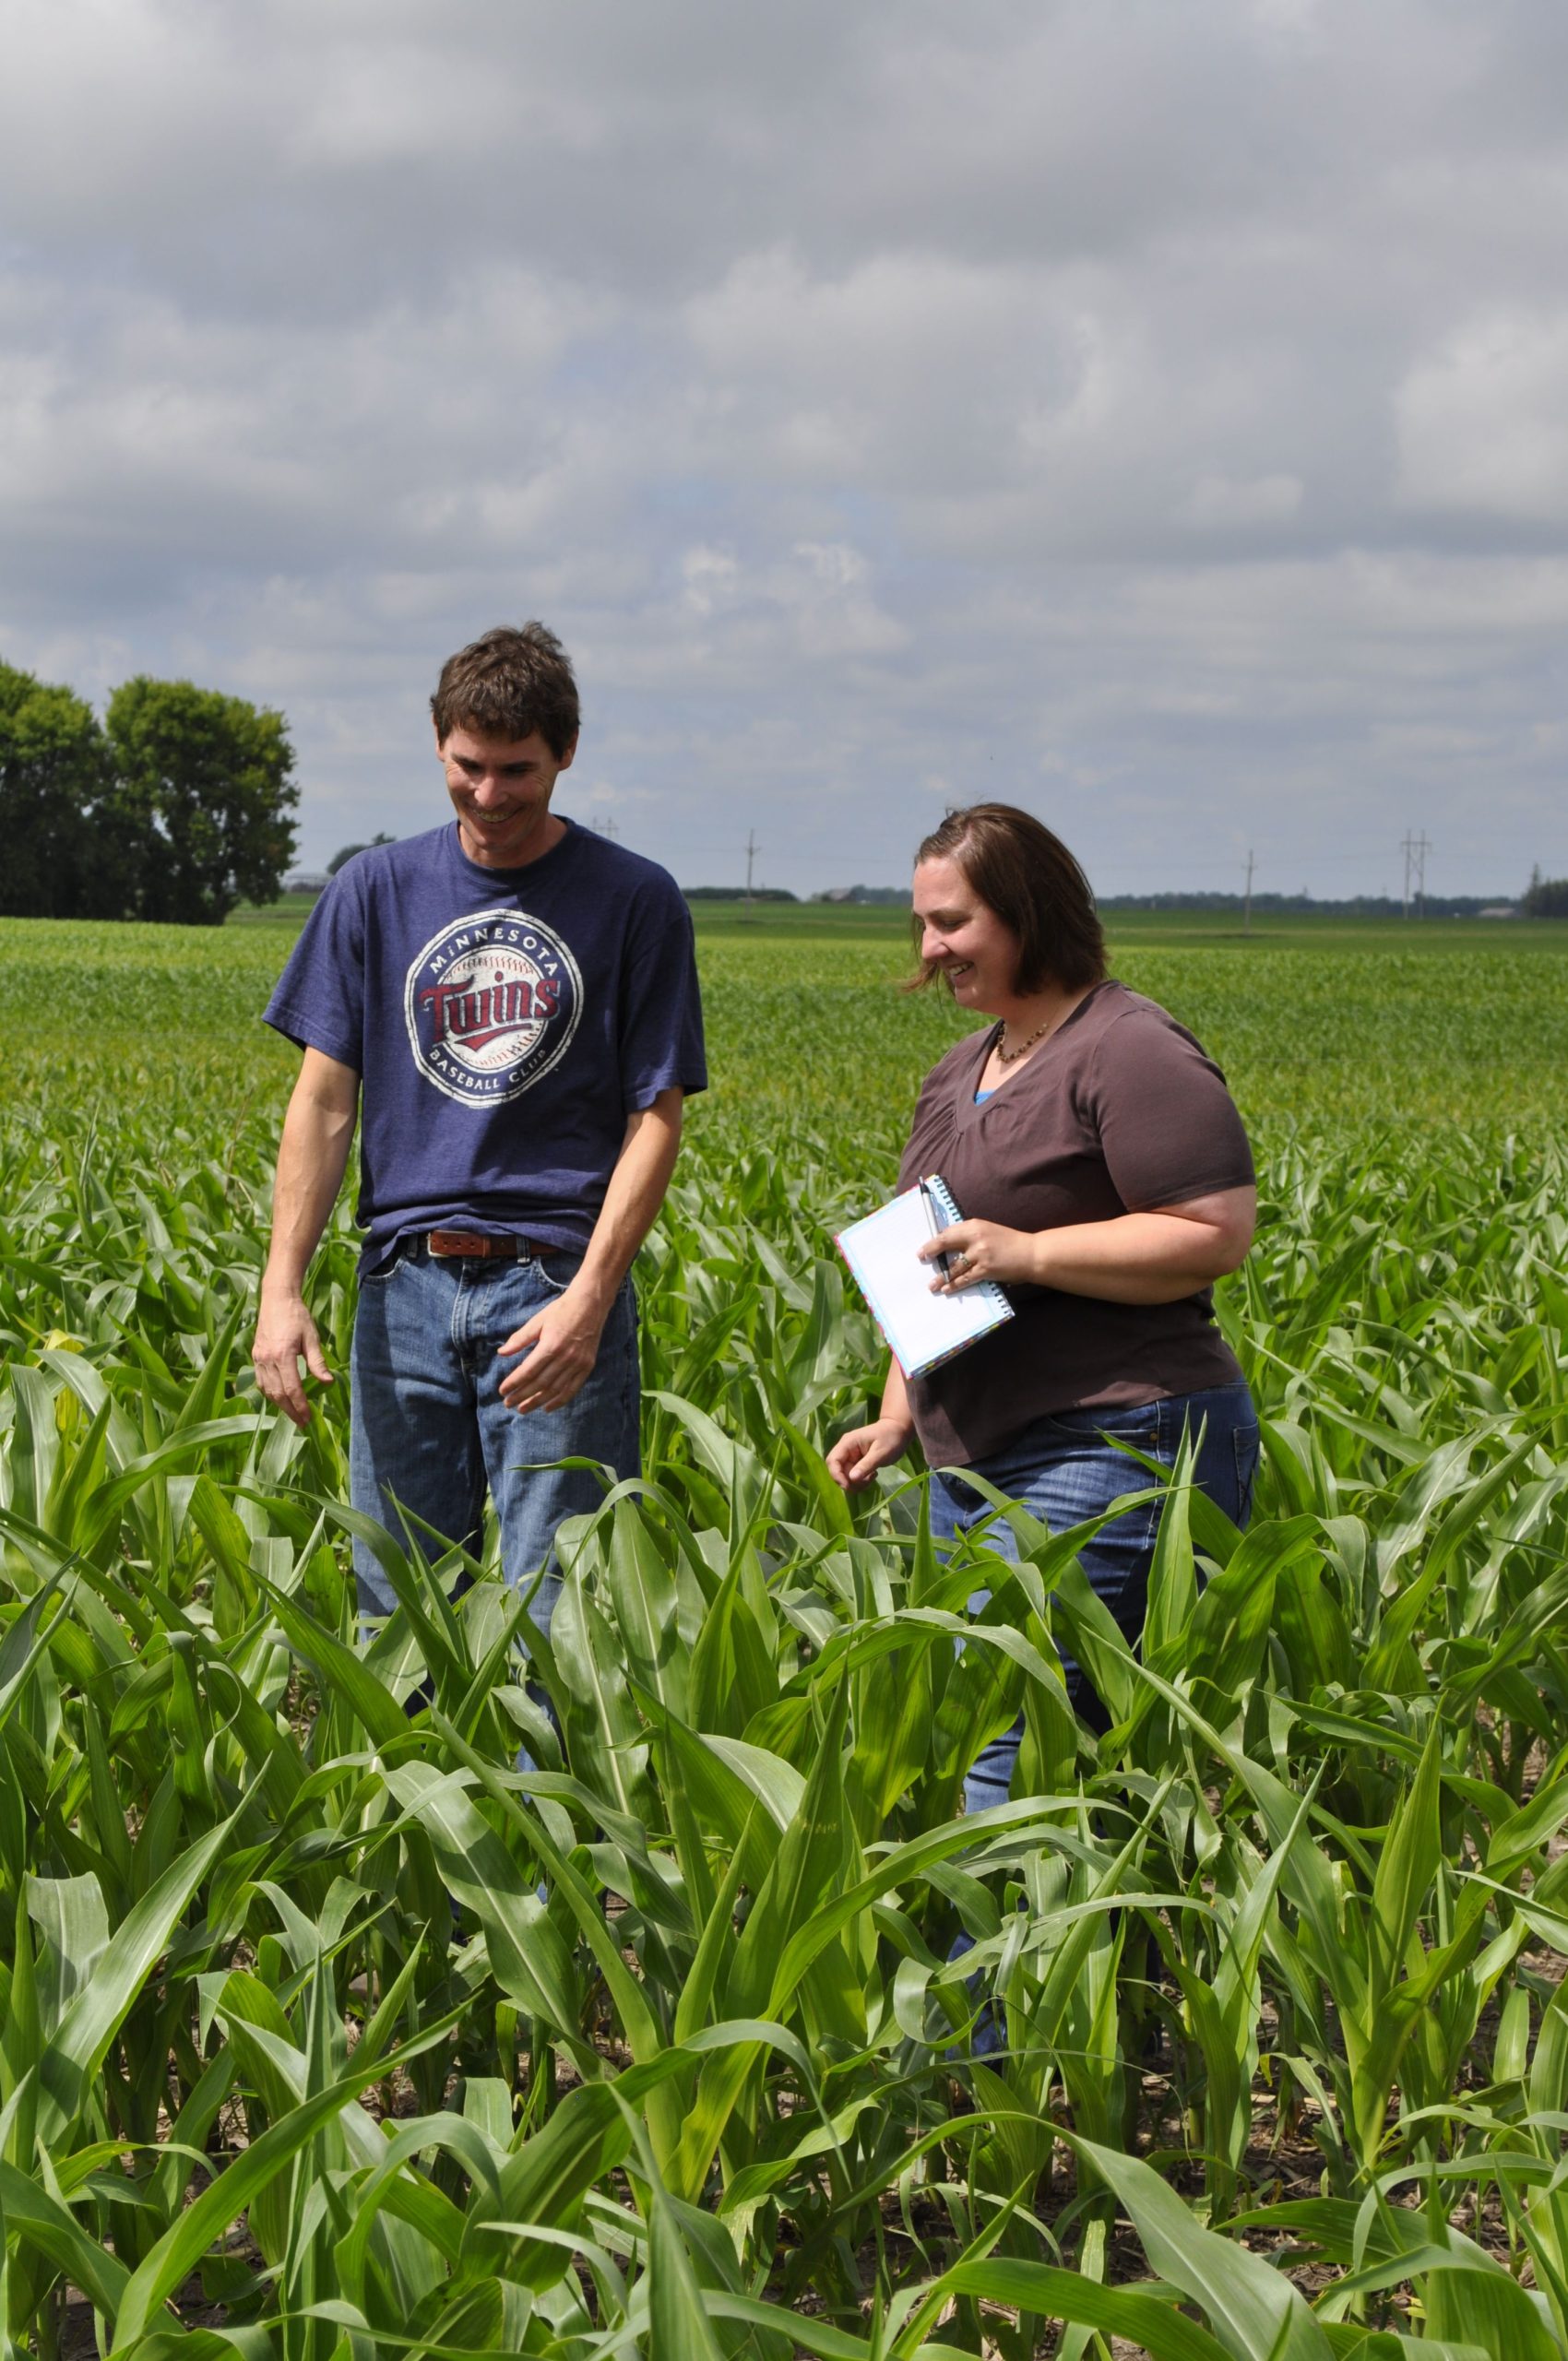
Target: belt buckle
(451, 1245)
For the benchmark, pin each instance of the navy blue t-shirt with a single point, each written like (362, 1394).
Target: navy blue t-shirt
(503, 1022)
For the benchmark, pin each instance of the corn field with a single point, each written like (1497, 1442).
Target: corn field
(329, 2034)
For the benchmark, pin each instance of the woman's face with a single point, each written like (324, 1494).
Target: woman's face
(976, 951)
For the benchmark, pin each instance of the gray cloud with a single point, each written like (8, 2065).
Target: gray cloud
(1153, 414)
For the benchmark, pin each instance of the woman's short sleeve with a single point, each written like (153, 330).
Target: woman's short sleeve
(1168, 1125)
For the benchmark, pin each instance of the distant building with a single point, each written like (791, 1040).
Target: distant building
(306, 880)
(1498, 910)
(882, 896)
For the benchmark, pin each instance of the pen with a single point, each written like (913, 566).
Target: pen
(940, 1259)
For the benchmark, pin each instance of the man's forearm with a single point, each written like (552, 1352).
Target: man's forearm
(559, 1344)
(634, 1197)
(313, 1156)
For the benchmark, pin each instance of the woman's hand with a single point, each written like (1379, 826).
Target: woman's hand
(855, 1457)
(981, 1249)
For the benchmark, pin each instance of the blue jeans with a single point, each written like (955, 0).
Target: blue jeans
(429, 1428)
(1062, 1470)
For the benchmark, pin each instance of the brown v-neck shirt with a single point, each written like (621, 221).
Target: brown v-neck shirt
(1121, 1111)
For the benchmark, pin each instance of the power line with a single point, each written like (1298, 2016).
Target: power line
(1415, 849)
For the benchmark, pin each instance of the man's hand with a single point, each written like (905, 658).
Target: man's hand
(560, 1346)
(285, 1335)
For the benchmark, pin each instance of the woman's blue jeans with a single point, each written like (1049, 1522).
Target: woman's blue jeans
(430, 1433)
(1065, 1468)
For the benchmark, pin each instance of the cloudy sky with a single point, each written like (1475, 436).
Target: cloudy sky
(1153, 412)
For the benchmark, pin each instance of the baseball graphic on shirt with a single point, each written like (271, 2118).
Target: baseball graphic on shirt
(491, 1003)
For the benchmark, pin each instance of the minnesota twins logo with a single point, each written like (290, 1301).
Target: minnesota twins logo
(491, 1003)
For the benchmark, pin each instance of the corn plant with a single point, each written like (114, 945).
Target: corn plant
(326, 2030)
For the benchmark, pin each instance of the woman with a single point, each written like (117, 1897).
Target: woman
(1106, 1181)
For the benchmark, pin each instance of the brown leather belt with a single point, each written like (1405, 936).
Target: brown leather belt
(478, 1245)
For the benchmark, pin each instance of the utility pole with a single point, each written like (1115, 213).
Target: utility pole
(1247, 906)
(606, 828)
(1415, 849)
(752, 849)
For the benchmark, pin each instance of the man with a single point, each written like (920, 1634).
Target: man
(514, 1000)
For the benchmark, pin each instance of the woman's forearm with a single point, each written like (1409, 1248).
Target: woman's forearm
(896, 1398)
(1136, 1258)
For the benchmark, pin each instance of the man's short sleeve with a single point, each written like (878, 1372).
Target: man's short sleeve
(1167, 1126)
(660, 1012)
(318, 1001)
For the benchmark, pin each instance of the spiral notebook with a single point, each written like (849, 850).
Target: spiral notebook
(883, 1251)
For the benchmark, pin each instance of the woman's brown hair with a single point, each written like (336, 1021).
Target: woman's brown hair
(1036, 889)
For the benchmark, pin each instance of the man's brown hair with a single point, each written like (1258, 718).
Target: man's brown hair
(507, 684)
(1036, 889)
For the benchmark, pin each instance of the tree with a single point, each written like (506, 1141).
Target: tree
(204, 794)
(346, 852)
(55, 772)
(1546, 897)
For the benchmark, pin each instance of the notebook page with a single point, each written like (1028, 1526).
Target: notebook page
(921, 1328)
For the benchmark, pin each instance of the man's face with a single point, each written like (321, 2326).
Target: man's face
(500, 790)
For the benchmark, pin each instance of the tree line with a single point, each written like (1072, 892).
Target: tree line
(1545, 898)
(1347, 905)
(174, 807)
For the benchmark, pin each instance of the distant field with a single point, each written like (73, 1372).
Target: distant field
(286, 915)
(1314, 1021)
(1146, 929)
(840, 922)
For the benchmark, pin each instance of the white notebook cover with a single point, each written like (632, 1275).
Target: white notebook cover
(883, 1251)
